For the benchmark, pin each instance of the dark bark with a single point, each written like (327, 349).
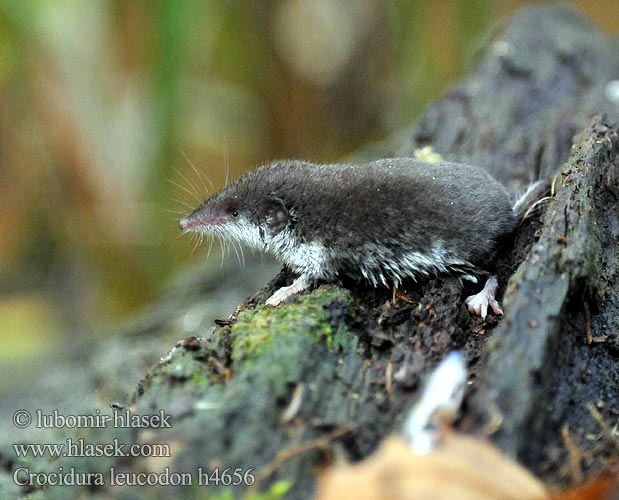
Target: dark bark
(554, 355)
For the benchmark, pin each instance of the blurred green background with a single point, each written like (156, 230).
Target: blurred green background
(105, 104)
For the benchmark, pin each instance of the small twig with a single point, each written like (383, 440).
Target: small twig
(575, 455)
(295, 403)
(402, 296)
(588, 324)
(606, 430)
(496, 420)
(600, 339)
(534, 206)
(553, 186)
(291, 452)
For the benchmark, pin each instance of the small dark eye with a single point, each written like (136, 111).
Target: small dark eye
(235, 213)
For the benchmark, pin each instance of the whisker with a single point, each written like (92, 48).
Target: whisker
(175, 211)
(226, 161)
(196, 245)
(242, 256)
(184, 203)
(173, 218)
(186, 190)
(200, 176)
(238, 258)
(210, 248)
(237, 250)
(223, 252)
(188, 182)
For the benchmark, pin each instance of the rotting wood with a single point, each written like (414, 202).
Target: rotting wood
(541, 357)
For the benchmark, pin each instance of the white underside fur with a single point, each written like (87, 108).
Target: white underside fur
(311, 261)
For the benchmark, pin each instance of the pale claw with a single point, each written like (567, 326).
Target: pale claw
(298, 285)
(478, 303)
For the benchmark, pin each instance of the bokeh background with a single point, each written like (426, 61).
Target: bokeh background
(107, 106)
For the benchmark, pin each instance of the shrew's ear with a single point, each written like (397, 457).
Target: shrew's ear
(277, 214)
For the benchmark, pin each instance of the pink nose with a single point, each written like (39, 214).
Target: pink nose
(183, 224)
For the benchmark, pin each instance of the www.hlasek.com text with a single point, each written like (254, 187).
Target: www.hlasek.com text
(81, 448)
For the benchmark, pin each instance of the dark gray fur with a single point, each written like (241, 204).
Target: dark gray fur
(384, 221)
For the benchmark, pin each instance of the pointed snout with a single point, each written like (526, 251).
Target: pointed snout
(184, 224)
(202, 221)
